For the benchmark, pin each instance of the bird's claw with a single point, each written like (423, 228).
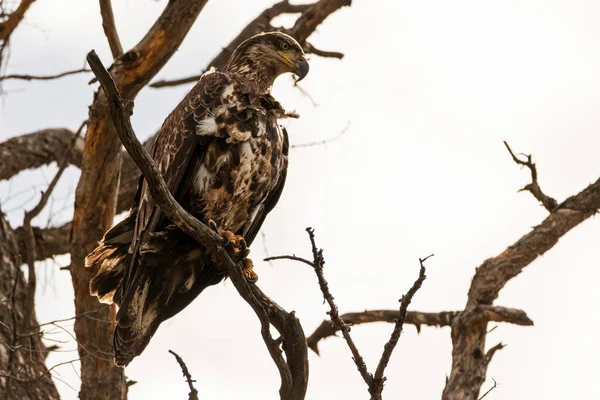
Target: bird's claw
(248, 269)
(238, 248)
(213, 225)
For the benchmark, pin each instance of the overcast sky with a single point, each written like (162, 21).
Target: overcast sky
(430, 89)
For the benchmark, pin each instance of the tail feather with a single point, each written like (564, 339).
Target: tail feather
(109, 261)
(175, 271)
(172, 271)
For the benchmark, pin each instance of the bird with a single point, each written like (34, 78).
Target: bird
(224, 156)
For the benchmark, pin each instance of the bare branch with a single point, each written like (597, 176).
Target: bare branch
(294, 369)
(310, 49)
(417, 318)
(534, 188)
(188, 376)
(259, 24)
(469, 329)
(36, 149)
(490, 353)
(49, 242)
(338, 322)
(379, 378)
(110, 28)
(43, 77)
(505, 314)
(490, 389)
(312, 16)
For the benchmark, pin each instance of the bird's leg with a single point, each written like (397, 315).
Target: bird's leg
(237, 246)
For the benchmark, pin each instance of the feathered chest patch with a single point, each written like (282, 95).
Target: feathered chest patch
(244, 160)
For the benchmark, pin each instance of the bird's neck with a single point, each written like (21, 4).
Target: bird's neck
(258, 77)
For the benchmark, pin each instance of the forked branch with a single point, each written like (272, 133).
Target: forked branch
(534, 188)
(375, 383)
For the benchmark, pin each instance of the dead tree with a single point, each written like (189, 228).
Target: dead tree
(100, 193)
(108, 183)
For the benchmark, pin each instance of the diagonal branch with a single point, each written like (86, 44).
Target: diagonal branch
(469, 329)
(534, 188)
(294, 369)
(8, 26)
(379, 378)
(259, 24)
(338, 322)
(312, 15)
(110, 28)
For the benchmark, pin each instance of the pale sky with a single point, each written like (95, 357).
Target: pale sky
(430, 90)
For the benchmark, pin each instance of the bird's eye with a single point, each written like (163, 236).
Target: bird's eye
(285, 46)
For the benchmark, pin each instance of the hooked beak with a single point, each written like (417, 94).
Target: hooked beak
(301, 68)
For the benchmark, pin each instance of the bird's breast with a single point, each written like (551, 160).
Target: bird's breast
(234, 178)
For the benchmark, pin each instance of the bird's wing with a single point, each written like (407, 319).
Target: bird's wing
(172, 150)
(273, 197)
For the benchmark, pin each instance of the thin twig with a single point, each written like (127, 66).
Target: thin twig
(43, 77)
(325, 141)
(490, 389)
(534, 188)
(379, 378)
(293, 258)
(110, 28)
(188, 376)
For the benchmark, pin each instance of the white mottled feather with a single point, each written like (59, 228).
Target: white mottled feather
(207, 126)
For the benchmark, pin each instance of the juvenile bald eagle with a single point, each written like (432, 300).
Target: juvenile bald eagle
(223, 156)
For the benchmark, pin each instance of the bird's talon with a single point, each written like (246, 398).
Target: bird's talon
(248, 270)
(213, 226)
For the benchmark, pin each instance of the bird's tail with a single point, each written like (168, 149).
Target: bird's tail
(109, 261)
(173, 270)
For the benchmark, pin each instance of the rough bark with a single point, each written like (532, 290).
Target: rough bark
(37, 149)
(49, 241)
(469, 358)
(23, 372)
(95, 198)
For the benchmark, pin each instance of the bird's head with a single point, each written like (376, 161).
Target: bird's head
(265, 56)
